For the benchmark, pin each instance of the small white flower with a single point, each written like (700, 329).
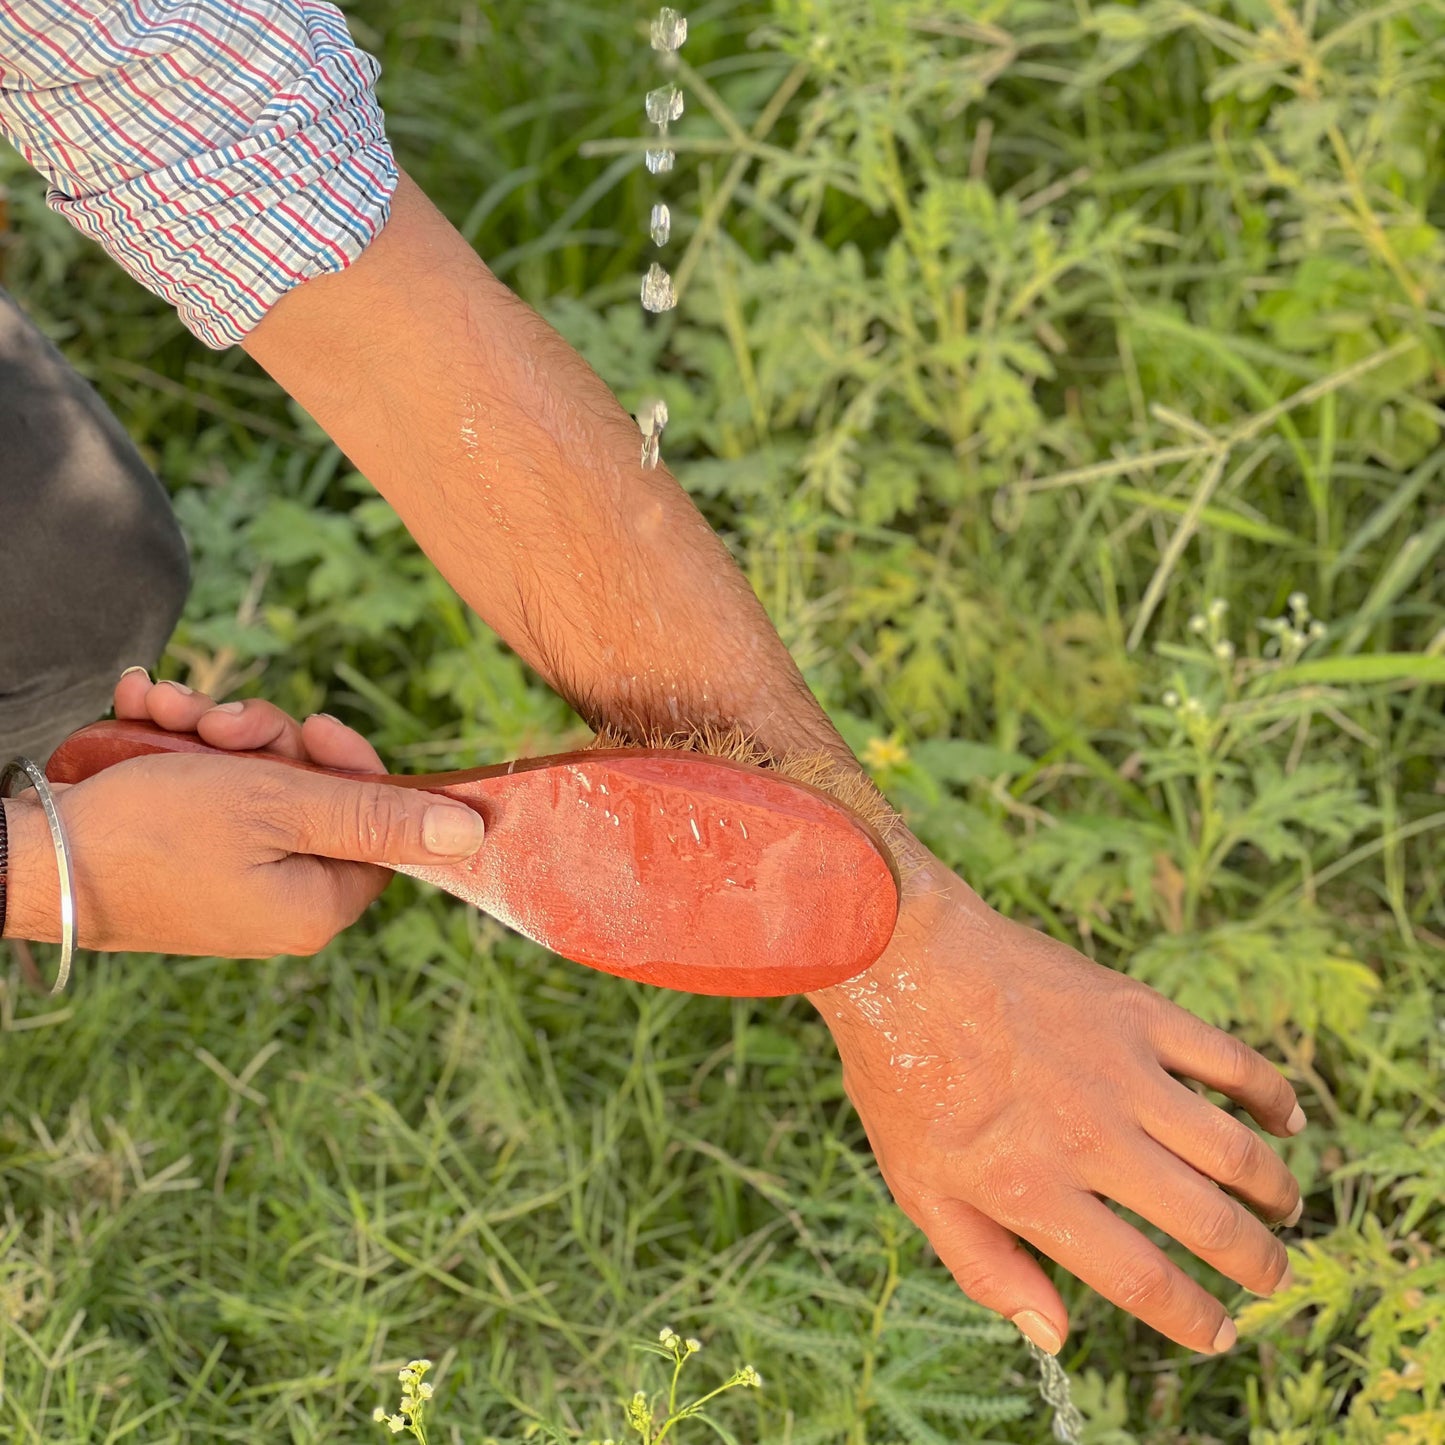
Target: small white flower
(1170, 698)
(379, 1414)
(693, 1346)
(1299, 602)
(1224, 649)
(1318, 628)
(1197, 623)
(1217, 608)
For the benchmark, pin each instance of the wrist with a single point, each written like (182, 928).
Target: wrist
(940, 918)
(32, 910)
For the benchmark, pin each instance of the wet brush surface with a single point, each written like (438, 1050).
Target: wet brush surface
(667, 865)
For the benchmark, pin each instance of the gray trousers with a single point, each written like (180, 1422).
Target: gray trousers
(93, 568)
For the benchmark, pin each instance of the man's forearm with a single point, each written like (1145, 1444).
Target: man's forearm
(518, 473)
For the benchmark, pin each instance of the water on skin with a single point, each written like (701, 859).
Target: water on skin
(880, 997)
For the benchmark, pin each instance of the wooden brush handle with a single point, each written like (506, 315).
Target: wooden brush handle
(676, 869)
(102, 745)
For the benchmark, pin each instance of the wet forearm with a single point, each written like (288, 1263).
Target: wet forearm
(518, 472)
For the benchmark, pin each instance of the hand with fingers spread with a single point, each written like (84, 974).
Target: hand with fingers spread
(194, 854)
(1009, 1086)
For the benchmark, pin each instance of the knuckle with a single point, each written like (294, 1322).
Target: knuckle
(1215, 1227)
(1143, 1286)
(258, 800)
(1141, 1007)
(383, 824)
(978, 1280)
(1080, 1135)
(360, 823)
(1237, 1155)
(1237, 1062)
(1011, 1185)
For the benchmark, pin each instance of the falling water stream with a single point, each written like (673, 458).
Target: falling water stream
(1068, 1423)
(664, 105)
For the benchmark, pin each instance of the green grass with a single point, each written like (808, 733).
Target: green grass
(1013, 336)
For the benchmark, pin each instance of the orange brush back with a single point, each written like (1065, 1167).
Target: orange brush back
(672, 868)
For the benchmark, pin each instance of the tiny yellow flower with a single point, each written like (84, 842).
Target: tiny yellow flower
(881, 754)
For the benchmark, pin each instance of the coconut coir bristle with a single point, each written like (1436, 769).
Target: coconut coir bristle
(849, 787)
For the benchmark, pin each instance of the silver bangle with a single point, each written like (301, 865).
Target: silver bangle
(24, 768)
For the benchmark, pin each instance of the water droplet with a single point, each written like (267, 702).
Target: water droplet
(657, 292)
(669, 30)
(664, 104)
(661, 161)
(661, 224)
(651, 419)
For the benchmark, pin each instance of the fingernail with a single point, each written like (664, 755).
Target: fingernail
(1294, 1215)
(1033, 1326)
(140, 670)
(453, 832)
(1226, 1337)
(179, 686)
(330, 717)
(1285, 1280)
(1296, 1121)
(231, 707)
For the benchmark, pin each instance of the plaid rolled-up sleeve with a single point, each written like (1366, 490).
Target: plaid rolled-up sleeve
(222, 151)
